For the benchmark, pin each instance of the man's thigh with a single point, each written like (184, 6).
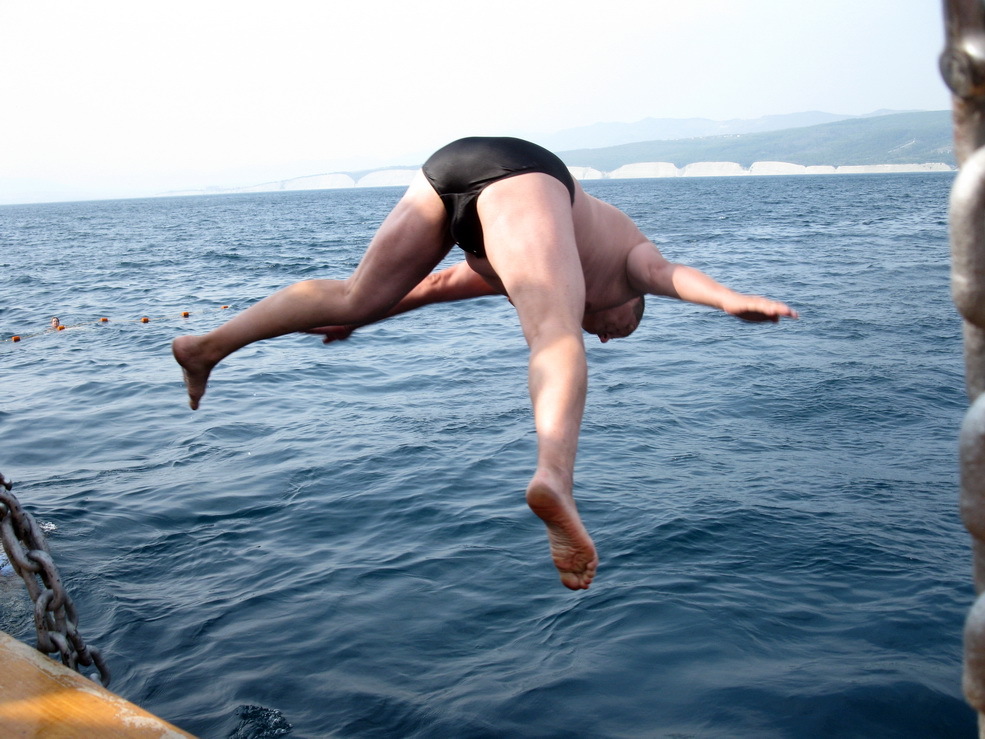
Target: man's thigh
(412, 240)
(530, 243)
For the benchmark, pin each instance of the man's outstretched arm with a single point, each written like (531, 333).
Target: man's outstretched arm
(459, 282)
(650, 273)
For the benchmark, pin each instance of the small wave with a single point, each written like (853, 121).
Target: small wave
(257, 722)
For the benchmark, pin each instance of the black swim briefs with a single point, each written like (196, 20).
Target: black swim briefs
(461, 170)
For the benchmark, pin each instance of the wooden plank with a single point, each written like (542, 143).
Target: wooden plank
(42, 698)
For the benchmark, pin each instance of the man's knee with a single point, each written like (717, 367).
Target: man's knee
(365, 305)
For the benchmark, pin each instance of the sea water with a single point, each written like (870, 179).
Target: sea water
(336, 544)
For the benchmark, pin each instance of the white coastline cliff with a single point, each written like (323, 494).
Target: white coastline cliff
(731, 169)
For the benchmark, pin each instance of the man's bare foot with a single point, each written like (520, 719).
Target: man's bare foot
(571, 546)
(196, 370)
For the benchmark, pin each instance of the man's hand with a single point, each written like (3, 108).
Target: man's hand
(332, 333)
(756, 309)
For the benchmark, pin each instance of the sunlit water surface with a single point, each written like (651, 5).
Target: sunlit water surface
(337, 544)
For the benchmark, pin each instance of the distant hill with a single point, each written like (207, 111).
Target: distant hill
(900, 138)
(600, 135)
(882, 138)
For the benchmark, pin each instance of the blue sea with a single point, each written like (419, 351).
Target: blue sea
(337, 545)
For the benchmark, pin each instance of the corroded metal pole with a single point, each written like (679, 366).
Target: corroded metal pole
(963, 67)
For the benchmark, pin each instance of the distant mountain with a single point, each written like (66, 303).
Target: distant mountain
(899, 138)
(882, 138)
(600, 135)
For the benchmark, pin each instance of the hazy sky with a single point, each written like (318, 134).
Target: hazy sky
(133, 97)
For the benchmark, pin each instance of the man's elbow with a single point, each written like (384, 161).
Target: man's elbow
(662, 280)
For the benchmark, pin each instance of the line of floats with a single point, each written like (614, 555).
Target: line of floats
(57, 325)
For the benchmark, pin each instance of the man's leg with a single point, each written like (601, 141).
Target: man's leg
(411, 241)
(530, 242)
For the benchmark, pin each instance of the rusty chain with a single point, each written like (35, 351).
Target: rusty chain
(55, 618)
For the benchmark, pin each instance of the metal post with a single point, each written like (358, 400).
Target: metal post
(963, 67)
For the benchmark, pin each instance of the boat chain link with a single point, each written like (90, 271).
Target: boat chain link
(55, 618)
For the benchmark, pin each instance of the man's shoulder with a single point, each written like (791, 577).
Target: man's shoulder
(606, 226)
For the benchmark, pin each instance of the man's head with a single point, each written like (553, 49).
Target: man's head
(615, 323)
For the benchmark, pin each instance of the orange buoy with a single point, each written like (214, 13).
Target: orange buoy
(15, 338)
(61, 328)
(104, 320)
(185, 314)
(145, 319)
(224, 307)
